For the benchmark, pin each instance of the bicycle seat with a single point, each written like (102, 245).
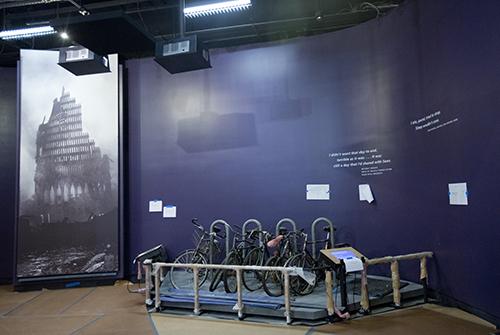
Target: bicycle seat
(253, 234)
(275, 241)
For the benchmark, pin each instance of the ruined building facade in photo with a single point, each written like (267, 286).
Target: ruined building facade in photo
(69, 164)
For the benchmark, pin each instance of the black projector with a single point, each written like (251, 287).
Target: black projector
(182, 54)
(81, 61)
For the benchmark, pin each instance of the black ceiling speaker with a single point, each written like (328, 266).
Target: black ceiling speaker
(81, 61)
(182, 54)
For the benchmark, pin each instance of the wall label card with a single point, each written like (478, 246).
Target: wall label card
(155, 206)
(318, 192)
(365, 193)
(458, 194)
(169, 211)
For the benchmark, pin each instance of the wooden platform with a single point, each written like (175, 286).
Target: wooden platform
(310, 307)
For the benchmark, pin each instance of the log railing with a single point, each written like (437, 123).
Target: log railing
(156, 269)
(394, 261)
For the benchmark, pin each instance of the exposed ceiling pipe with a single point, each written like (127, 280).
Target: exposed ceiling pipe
(240, 37)
(370, 5)
(264, 23)
(182, 21)
(150, 9)
(15, 4)
(64, 10)
(82, 10)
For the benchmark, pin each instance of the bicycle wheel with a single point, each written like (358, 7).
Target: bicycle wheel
(298, 284)
(229, 276)
(182, 278)
(216, 279)
(218, 275)
(252, 279)
(273, 280)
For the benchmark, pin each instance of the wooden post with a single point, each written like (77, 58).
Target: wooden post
(365, 299)
(157, 287)
(424, 276)
(288, 313)
(162, 275)
(239, 288)
(330, 302)
(196, 288)
(395, 283)
(147, 266)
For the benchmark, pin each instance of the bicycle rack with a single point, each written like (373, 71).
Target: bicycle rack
(294, 226)
(227, 228)
(244, 229)
(313, 233)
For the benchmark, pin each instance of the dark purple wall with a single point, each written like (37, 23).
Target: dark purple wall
(243, 139)
(7, 170)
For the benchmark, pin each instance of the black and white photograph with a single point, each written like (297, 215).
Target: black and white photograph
(68, 178)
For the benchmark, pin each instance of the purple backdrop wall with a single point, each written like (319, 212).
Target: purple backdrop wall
(8, 128)
(243, 139)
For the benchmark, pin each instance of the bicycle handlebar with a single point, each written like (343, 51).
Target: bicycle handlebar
(214, 233)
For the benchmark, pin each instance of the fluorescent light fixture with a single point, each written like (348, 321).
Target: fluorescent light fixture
(17, 34)
(217, 8)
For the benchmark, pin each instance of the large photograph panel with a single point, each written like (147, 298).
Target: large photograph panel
(68, 179)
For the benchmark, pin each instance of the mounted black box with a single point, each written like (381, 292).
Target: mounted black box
(182, 54)
(156, 254)
(81, 61)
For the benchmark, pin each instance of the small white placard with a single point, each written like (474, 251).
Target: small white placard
(318, 191)
(307, 275)
(458, 194)
(365, 193)
(169, 211)
(155, 206)
(353, 264)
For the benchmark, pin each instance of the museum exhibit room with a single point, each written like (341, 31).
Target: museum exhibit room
(250, 167)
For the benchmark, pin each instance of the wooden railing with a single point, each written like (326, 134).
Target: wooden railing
(157, 271)
(394, 261)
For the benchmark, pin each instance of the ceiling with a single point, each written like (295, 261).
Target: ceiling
(130, 27)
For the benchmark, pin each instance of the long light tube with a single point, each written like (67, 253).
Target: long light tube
(217, 8)
(17, 34)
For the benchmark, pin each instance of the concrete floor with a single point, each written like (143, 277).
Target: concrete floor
(97, 310)
(112, 310)
(419, 320)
